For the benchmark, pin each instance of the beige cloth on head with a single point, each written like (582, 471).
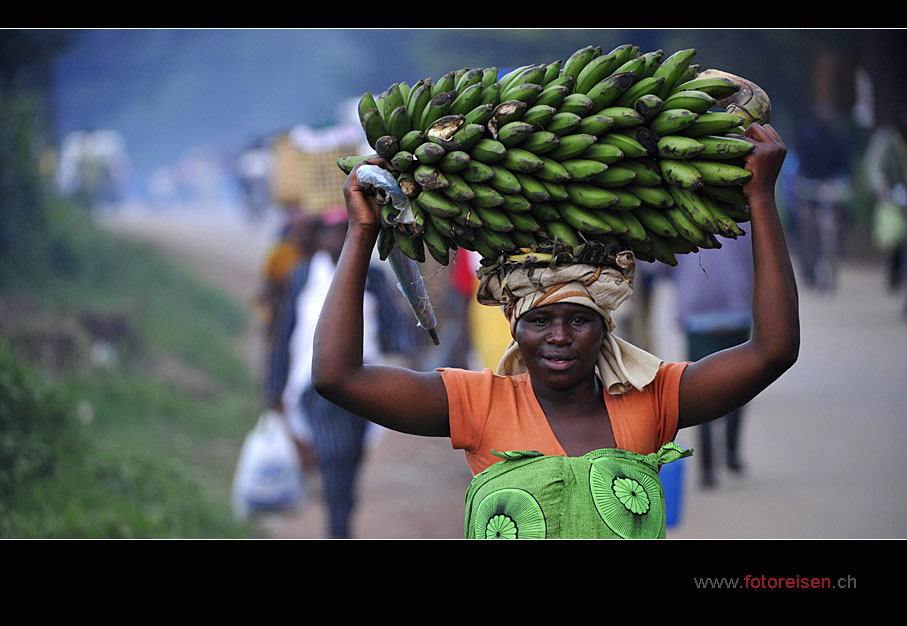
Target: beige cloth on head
(621, 365)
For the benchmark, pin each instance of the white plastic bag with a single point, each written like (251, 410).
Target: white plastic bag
(268, 472)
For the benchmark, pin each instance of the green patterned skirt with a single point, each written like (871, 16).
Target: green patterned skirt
(605, 494)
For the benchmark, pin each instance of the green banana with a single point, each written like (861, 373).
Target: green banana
(556, 191)
(571, 146)
(526, 93)
(718, 87)
(540, 142)
(516, 203)
(678, 147)
(626, 201)
(672, 121)
(655, 221)
(679, 173)
(721, 173)
(609, 89)
(495, 240)
(513, 133)
(504, 181)
(436, 203)
(605, 152)
(467, 136)
(644, 87)
(552, 71)
(398, 123)
(583, 219)
(467, 99)
(672, 68)
(628, 144)
(453, 161)
(532, 188)
(508, 111)
(429, 152)
(552, 96)
(488, 150)
(494, 219)
(648, 106)
(647, 171)
(722, 147)
(596, 124)
(687, 228)
(524, 239)
(578, 103)
(347, 163)
(520, 160)
(419, 97)
(412, 140)
(727, 225)
(577, 61)
(551, 171)
(435, 243)
(445, 83)
(595, 70)
(691, 204)
(538, 115)
(489, 76)
(661, 249)
(374, 126)
(487, 196)
(436, 108)
(658, 197)
(651, 62)
(712, 123)
(410, 245)
(727, 194)
(691, 100)
(635, 232)
(585, 169)
(614, 176)
(387, 146)
(624, 117)
(590, 196)
(545, 211)
(458, 189)
(385, 243)
(477, 172)
(562, 232)
(563, 123)
(402, 160)
(623, 53)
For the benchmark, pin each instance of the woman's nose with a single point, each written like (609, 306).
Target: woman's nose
(559, 333)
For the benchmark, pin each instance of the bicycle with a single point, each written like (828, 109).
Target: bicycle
(819, 206)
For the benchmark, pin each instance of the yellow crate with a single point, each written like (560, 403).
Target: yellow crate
(310, 180)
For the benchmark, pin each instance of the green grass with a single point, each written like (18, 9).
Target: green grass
(144, 446)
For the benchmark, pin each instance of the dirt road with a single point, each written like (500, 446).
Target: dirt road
(823, 445)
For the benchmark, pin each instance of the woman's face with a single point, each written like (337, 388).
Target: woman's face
(560, 343)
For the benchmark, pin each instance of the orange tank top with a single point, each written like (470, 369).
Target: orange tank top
(501, 412)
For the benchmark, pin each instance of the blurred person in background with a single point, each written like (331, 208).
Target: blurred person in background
(714, 292)
(885, 163)
(336, 436)
(821, 183)
(295, 244)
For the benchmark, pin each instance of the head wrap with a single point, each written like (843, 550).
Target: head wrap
(521, 288)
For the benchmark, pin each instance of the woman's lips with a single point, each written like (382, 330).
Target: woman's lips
(558, 362)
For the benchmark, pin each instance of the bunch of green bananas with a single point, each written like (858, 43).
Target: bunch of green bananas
(627, 149)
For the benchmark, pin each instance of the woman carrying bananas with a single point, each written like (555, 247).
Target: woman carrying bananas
(566, 437)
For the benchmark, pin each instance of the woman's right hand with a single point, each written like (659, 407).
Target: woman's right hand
(362, 206)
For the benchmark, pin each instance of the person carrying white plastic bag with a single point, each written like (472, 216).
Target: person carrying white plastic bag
(268, 472)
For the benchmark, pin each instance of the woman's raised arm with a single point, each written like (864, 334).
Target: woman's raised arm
(397, 398)
(724, 381)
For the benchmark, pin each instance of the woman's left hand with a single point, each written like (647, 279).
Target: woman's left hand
(764, 161)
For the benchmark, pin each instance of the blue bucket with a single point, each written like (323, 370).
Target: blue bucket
(671, 476)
